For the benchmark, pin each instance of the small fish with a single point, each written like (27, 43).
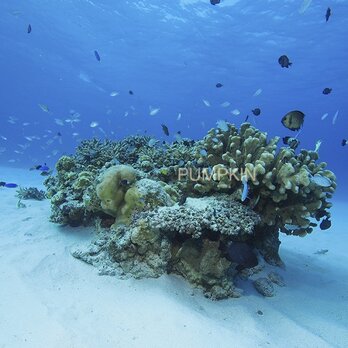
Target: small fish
(284, 61)
(222, 125)
(321, 181)
(293, 143)
(182, 199)
(3, 137)
(328, 14)
(94, 124)
(130, 92)
(154, 111)
(59, 122)
(242, 254)
(219, 85)
(293, 120)
(317, 146)
(8, 185)
(324, 116)
(203, 153)
(152, 142)
(327, 90)
(215, 2)
(344, 142)
(29, 29)
(41, 167)
(258, 92)
(325, 224)
(165, 129)
(225, 104)
(245, 188)
(235, 112)
(44, 107)
(304, 6)
(321, 251)
(246, 118)
(256, 111)
(97, 56)
(206, 102)
(334, 119)
(179, 116)
(114, 94)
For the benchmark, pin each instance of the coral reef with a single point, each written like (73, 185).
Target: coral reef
(191, 207)
(30, 193)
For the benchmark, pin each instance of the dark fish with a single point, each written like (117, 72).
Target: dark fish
(344, 142)
(241, 254)
(284, 61)
(219, 85)
(46, 173)
(182, 199)
(325, 224)
(165, 129)
(293, 120)
(8, 185)
(327, 90)
(256, 111)
(293, 143)
(97, 56)
(215, 2)
(246, 119)
(29, 29)
(41, 167)
(328, 14)
(130, 92)
(59, 134)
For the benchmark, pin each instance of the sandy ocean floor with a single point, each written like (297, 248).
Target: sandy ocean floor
(50, 299)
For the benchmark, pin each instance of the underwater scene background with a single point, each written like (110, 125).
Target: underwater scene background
(170, 55)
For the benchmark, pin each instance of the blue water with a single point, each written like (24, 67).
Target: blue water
(170, 54)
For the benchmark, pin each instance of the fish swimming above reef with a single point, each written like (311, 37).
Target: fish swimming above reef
(256, 111)
(44, 108)
(293, 143)
(325, 224)
(8, 184)
(130, 92)
(245, 188)
(41, 167)
(328, 14)
(344, 142)
(29, 29)
(219, 85)
(327, 90)
(97, 56)
(215, 2)
(321, 181)
(293, 120)
(284, 61)
(242, 254)
(165, 129)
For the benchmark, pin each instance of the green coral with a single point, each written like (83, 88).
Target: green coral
(279, 181)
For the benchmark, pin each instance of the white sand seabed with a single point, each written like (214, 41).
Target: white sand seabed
(50, 299)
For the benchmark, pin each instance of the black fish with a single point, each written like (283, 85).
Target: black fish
(130, 92)
(327, 90)
(29, 29)
(344, 142)
(97, 56)
(325, 224)
(256, 111)
(215, 2)
(182, 199)
(328, 14)
(241, 254)
(246, 119)
(59, 134)
(293, 120)
(2, 183)
(292, 142)
(284, 61)
(219, 85)
(165, 129)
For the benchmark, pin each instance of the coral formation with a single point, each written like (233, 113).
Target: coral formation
(176, 208)
(30, 193)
